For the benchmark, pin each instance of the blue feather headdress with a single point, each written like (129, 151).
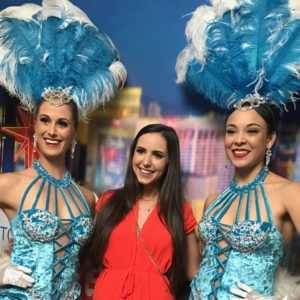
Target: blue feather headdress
(56, 46)
(243, 49)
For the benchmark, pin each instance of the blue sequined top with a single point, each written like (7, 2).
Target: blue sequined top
(249, 251)
(38, 243)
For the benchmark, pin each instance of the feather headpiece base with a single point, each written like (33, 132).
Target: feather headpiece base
(57, 97)
(249, 102)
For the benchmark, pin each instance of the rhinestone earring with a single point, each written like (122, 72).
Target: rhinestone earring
(34, 142)
(268, 158)
(73, 147)
(226, 164)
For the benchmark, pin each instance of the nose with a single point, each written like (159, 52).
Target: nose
(147, 160)
(52, 129)
(240, 139)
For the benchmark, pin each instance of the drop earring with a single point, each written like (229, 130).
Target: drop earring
(34, 142)
(73, 147)
(268, 158)
(226, 164)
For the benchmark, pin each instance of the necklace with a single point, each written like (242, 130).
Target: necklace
(148, 209)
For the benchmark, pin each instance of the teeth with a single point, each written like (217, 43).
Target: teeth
(51, 141)
(240, 151)
(145, 171)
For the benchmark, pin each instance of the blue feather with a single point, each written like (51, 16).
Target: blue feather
(58, 52)
(252, 49)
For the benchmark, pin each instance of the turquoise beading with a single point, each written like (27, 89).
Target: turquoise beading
(37, 243)
(248, 251)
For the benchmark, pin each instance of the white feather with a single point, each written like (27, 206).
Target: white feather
(196, 30)
(197, 26)
(24, 12)
(119, 72)
(295, 8)
(184, 57)
(285, 283)
(55, 8)
(222, 6)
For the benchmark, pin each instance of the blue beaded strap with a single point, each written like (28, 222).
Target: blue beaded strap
(221, 206)
(66, 186)
(225, 200)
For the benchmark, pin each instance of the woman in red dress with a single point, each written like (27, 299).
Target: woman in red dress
(144, 239)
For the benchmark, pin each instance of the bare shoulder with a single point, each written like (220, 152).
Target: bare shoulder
(12, 184)
(89, 197)
(13, 179)
(282, 185)
(210, 199)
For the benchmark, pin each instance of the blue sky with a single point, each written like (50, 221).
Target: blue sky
(149, 34)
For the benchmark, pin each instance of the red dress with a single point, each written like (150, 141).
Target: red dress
(129, 273)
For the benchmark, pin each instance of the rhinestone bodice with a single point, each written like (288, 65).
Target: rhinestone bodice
(248, 251)
(37, 239)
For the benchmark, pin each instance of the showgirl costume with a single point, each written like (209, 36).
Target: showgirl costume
(252, 250)
(54, 51)
(37, 239)
(240, 54)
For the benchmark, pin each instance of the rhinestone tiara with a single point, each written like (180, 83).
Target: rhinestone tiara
(63, 95)
(249, 102)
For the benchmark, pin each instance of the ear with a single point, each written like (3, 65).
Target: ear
(271, 140)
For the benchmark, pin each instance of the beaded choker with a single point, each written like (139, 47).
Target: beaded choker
(249, 186)
(64, 182)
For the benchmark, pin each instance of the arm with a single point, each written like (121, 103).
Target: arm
(292, 203)
(193, 256)
(12, 275)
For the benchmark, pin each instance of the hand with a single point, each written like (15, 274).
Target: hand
(14, 275)
(246, 292)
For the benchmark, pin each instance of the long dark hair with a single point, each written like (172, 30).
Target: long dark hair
(170, 206)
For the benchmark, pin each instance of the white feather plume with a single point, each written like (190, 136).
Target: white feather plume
(57, 7)
(24, 12)
(182, 63)
(285, 283)
(119, 72)
(295, 8)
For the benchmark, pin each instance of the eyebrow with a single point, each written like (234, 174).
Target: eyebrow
(154, 151)
(159, 151)
(59, 119)
(248, 125)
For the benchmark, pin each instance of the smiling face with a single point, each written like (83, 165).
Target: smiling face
(246, 139)
(55, 129)
(150, 159)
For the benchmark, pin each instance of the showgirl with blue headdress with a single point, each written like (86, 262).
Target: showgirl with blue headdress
(54, 59)
(244, 55)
